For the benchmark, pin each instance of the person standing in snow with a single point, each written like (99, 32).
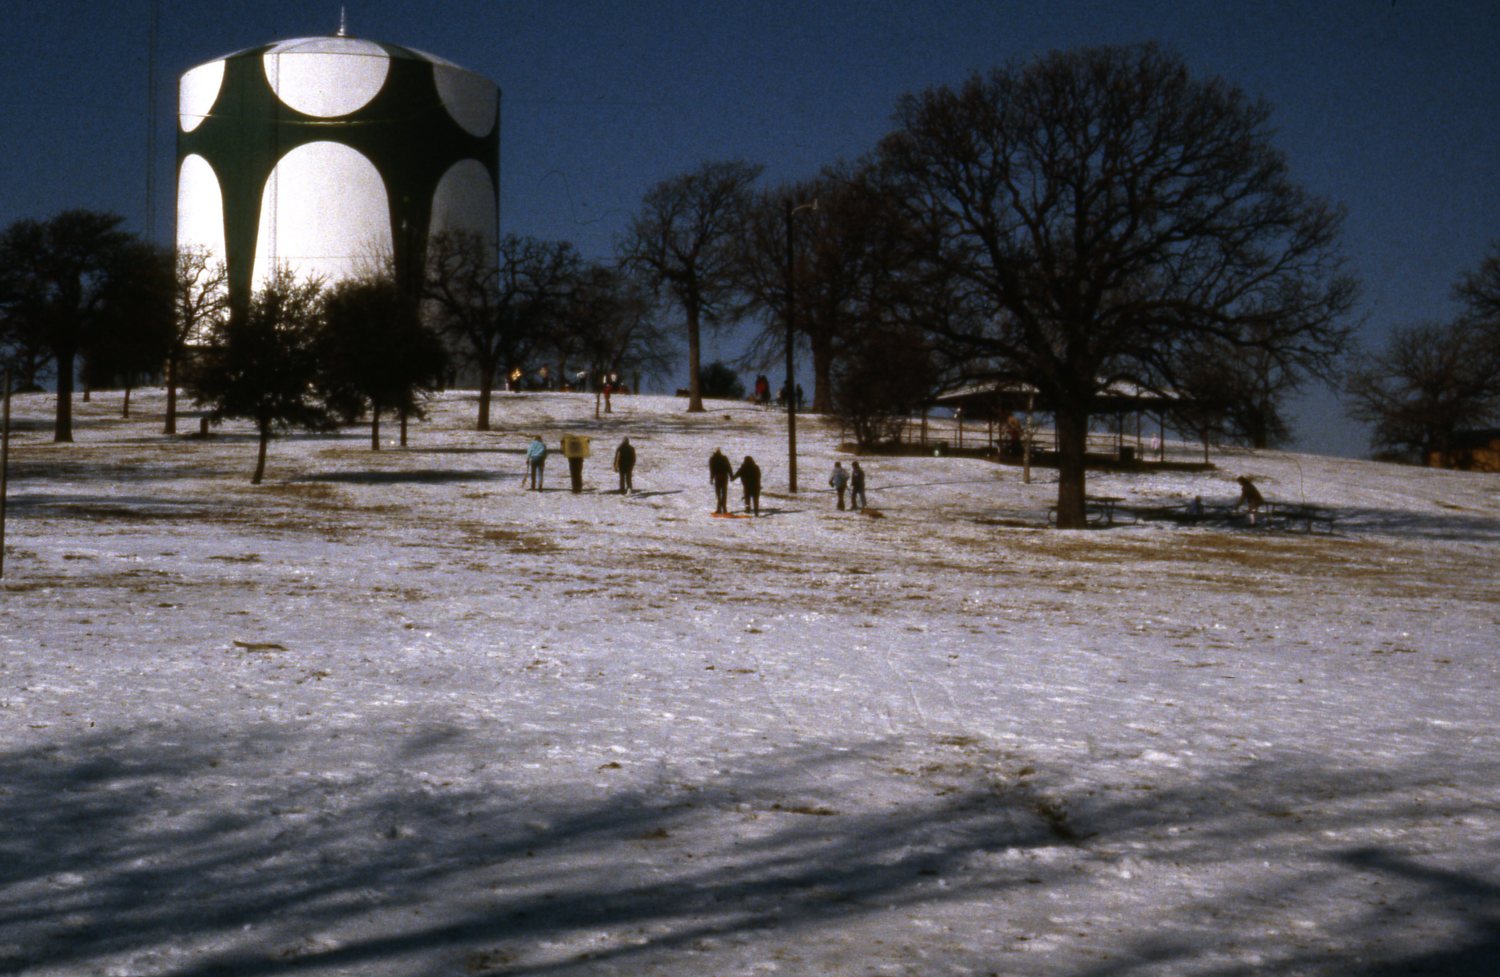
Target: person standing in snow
(625, 464)
(536, 460)
(839, 480)
(749, 478)
(1250, 498)
(719, 471)
(857, 487)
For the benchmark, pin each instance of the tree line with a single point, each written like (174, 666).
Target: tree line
(1066, 223)
(305, 352)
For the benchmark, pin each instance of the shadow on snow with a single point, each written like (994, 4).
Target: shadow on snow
(172, 845)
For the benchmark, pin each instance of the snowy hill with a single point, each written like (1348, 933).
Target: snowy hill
(392, 714)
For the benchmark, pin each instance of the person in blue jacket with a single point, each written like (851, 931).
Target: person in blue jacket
(536, 460)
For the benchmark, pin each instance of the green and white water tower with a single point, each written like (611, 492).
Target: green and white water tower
(325, 154)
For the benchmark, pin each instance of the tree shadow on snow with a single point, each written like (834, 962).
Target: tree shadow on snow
(1454, 525)
(175, 846)
(422, 476)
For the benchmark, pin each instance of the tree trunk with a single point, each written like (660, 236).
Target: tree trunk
(63, 427)
(125, 404)
(486, 388)
(374, 426)
(822, 357)
(1072, 446)
(695, 393)
(1256, 427)
(170, 426)
(260, 457)
(403, 428)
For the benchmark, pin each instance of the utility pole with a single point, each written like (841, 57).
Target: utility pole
(791, 333)
(151, 110)
(4, 465)
(791, 338)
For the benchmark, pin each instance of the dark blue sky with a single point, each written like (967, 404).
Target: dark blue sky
(1389, 108)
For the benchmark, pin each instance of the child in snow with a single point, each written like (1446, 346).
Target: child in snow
(839, 480)
(536, 459)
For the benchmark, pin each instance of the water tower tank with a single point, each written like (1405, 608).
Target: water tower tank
(327, 154)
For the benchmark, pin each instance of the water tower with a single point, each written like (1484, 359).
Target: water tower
(330, 155)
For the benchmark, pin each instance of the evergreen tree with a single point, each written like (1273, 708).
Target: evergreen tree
(262, 365)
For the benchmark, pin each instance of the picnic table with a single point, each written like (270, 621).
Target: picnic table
(1291, 514)
(1285, 515)
(1105, 505)
(1102, 507)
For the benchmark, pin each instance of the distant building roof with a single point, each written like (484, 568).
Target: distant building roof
(1008, 396)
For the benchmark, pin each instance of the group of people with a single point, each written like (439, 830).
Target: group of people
(721, 471)
(853, 480)
(536, 464)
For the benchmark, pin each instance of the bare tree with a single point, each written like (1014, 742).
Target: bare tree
(888, 374)
(491, 303)
(1106, 211)
(611, 322)
(847, 249)
(200, 301)
(1479, 290)
(1235, 390)
(1433, 379)
(1429, 381)
(683, 241)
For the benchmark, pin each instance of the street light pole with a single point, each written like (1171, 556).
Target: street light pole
(4, 465)
(791, 336)
(790, 387)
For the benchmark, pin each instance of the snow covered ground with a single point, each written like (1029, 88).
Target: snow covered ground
(391, 714)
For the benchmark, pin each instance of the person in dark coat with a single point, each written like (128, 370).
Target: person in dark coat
(625, 464)
(749, 479)
(857, 487)
(719, 472)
